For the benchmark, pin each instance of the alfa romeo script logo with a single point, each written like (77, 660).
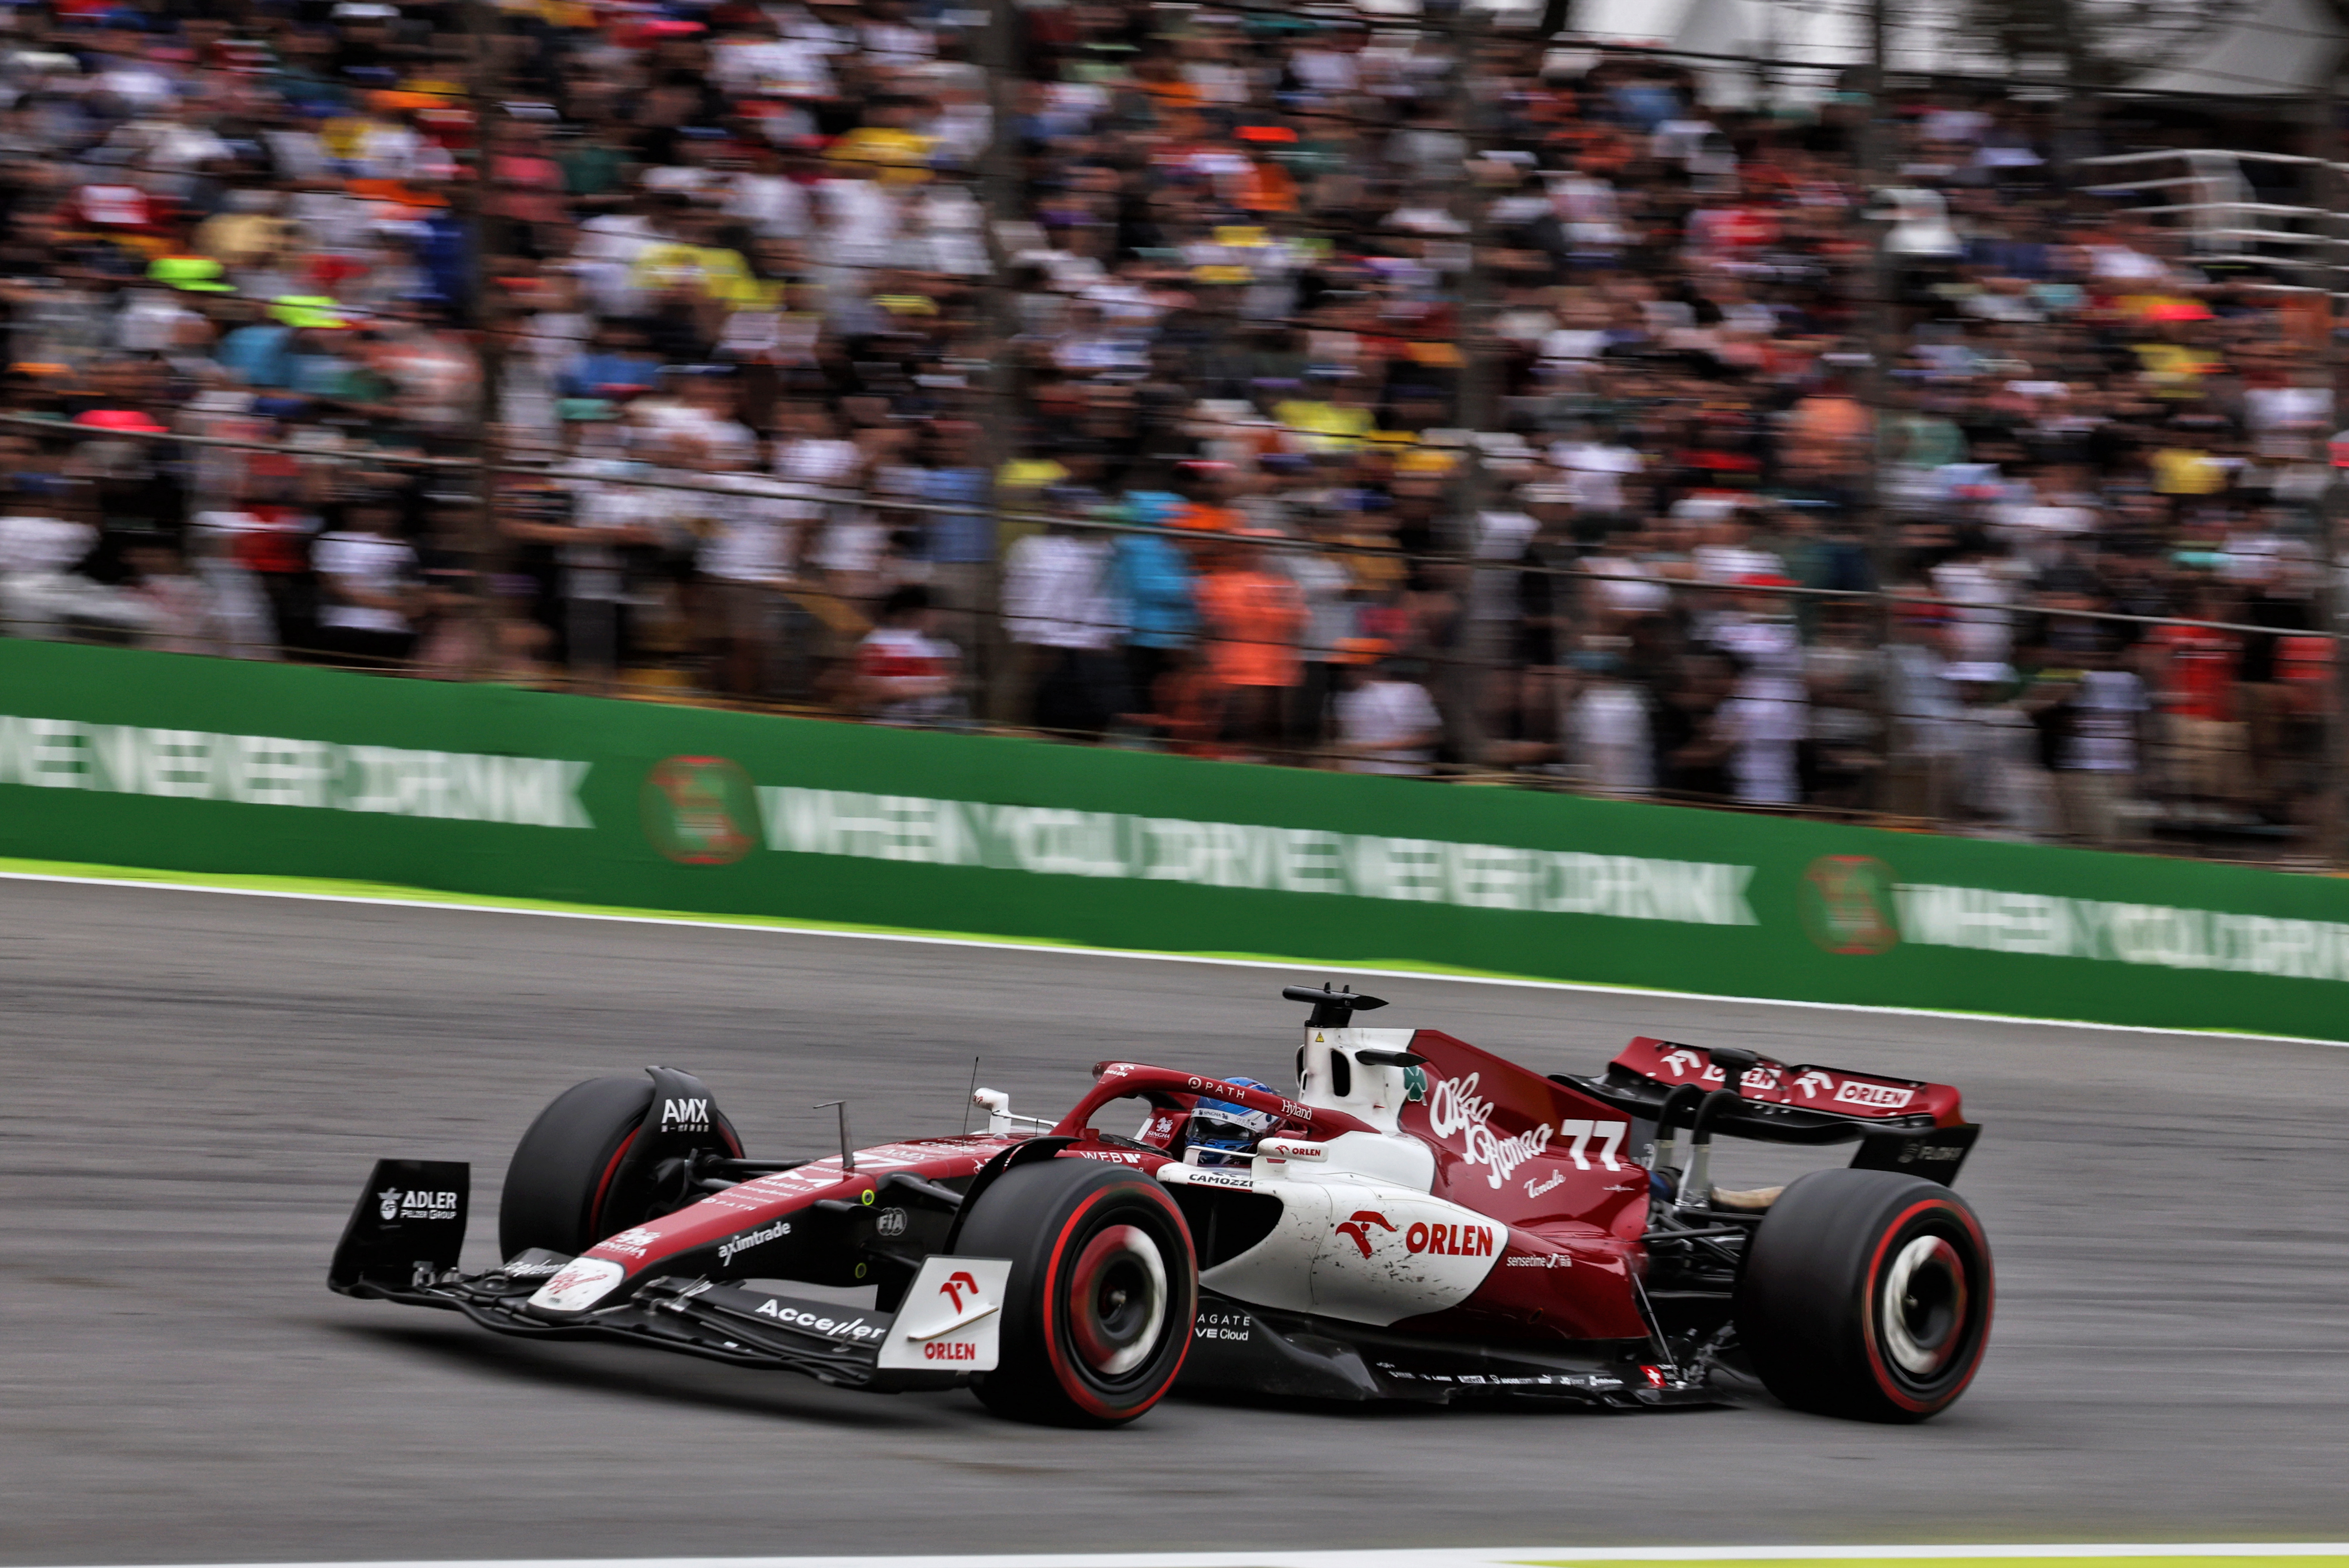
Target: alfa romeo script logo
(700, 811)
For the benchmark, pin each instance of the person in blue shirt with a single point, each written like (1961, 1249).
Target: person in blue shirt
(1152, 575)
(960, 544)
(260, 352)
(615, 366)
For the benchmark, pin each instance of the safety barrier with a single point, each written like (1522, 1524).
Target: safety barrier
(199, 764)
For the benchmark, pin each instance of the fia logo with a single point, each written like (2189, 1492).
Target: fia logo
(387, 1202)
(685, 1116)
(889, 1222)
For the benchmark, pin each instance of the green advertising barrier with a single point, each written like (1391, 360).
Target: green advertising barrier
(207, 766)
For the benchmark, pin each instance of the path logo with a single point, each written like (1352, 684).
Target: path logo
(1848, 904)
(700, 811)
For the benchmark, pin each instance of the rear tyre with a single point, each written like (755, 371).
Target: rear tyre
(1104, 1284)
(1866, 1293)
(569, 1184)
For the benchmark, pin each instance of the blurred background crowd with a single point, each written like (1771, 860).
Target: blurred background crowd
(1403, 393)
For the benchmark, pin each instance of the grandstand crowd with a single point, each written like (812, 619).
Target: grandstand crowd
(1393, 393)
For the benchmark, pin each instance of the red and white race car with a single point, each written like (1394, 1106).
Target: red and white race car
(1420, 1221)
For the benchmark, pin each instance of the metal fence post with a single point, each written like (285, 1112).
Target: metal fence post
(2332, 810)
(489, 321)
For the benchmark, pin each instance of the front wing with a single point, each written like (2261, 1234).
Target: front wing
(404, 1238)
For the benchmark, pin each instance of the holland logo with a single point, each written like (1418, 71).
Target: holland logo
(1847, 903)
(700, 811)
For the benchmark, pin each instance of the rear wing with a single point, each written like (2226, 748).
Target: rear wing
(1901, 1124)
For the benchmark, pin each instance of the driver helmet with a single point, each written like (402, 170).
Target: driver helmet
(1221, 1133)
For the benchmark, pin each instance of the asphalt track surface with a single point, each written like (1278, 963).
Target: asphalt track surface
(195, 1086)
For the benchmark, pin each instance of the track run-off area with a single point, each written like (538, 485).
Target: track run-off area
(196, 1083)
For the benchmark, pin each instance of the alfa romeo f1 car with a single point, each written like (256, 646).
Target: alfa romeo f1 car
(1421, 1221)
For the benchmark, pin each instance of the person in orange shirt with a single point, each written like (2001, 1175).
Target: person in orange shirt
(1253, 615)
(1206, 491)
(2197, 669)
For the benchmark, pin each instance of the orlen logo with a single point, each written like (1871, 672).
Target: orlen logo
(1680, 1060)
(950, 1350)
(1441, 1239)
(1451, 1240)
(1357, 1227)
(685, 1116)
(1877, 1095)
(957, 1283)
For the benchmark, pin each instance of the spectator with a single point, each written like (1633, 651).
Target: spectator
(1253, 616)
(905, 675)
(2092, 716)
(368, 589)
(1568, 399)
(44, 592)
(1157, 594)
(1386, 723)
(1058, 602)
(2197, 674)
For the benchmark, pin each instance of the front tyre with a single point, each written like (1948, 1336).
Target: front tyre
(1097, 1314)
(569, 1183)
(1866, 1293)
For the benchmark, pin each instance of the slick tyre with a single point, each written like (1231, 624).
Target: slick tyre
(1866, 1293)
(1097, 1313)
(564, 1187)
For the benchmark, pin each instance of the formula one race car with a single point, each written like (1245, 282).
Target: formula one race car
(1422, 1222)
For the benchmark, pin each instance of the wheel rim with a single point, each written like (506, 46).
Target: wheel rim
(1117, 1300)
(1922, 1306)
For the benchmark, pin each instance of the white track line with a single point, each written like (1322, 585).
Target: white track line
(1435, 1557)
(1314, 965)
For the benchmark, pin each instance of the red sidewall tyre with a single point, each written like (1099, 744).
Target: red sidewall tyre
(1866, 1293)
(1103, 1290)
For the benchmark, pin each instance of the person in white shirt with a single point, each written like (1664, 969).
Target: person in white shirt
(1593, 469)
(42, 593)
(1060, 601)
(861, 218)
(242, 618)
(367, 588)
(745, 562)
(700, 403)
(1614, 737)
(1386, 724)
(774, 205)
(904, 673)
(1769, 713)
